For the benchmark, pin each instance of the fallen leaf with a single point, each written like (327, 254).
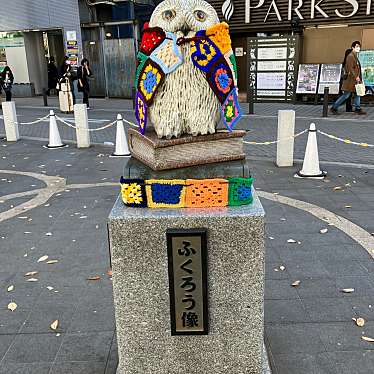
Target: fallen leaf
(110, 272)
(95, 278)
(12, 306)
(367, 339)
(360, 322)
(30, 273)
(338, 188)
(271, 238)
(51, 262)
(43, 258)
(32, 280)
(10, 288)
(54, 325)
(291, 241)
(348, 290)
(48, 234)
(296, 283)
(50, 288)
(323, 231)
(282, 268)
(347, 206)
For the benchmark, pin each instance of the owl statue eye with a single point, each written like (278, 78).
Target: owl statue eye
(168, 15)
(200, 15)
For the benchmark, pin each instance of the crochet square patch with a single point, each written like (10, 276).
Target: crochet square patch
(205, 193)
(204, 53)
(220, 36)
(167, 55)
(220, 79)
(150, 78)
(165, 193)
(142, 58)
(230, 110)
(240, 191)
(151, 39)
(133, 193)
(141, 112)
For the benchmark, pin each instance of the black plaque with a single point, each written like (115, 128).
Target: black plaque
(188, 286)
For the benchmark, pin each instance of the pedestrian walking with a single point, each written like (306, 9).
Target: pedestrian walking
(6, 82)
(348, 102)
(352, 76)
(66, 87)
(52, 75)
(84, 74)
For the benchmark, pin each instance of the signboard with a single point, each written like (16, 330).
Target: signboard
(271, 81)
(10, 41)
(271, 64)
(307, 79)
(367, 66)
(188, 286)
(72, 49)
(330, 77)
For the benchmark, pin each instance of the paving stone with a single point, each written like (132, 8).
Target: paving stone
(294, 338)
(283, 311)
(33, 348)
(85, 347)
(349, 362)
(34, 368)
(74, 367)
(279, 289)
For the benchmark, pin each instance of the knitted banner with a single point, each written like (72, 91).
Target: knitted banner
(240, 191)
(165, 193)
(190, 193)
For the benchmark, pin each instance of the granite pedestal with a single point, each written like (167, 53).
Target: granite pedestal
(235, 247)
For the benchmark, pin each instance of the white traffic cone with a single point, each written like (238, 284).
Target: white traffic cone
(54, 135)
(311, 160)
(122, 148)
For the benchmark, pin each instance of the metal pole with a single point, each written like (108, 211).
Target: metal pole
(325, 101)
(45, 97)
(250, 101)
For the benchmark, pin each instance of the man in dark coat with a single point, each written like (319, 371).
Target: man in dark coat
(352, 76)
(52, 75)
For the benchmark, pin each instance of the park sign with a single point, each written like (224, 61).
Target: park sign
(257, 15)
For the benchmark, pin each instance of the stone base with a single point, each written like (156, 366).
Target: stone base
(163, 154)
(234, 343)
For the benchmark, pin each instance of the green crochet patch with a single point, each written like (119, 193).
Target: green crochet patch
(233, 61)
(240, 191)
(142, 58)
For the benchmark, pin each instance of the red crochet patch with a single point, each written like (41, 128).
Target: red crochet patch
(152, 38)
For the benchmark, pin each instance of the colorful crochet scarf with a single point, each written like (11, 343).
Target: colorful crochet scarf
(210, 52)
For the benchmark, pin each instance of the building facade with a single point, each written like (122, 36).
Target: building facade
(30, 31)
(325, 28)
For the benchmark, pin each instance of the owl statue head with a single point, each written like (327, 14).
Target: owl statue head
(184, 16)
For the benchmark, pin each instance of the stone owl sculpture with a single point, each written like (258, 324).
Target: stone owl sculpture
(186, 76)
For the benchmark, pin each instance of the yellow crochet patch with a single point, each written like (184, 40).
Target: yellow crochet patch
(131, 193)
(219, 34)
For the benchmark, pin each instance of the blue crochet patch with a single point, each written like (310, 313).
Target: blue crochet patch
(166, 193)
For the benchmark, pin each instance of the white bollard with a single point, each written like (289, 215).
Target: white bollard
(286, 131)
(310, 167)
(81, 122)
(122, 147)
(54, 135)
(10, 121)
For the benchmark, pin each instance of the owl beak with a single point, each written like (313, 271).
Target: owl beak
(185, 29)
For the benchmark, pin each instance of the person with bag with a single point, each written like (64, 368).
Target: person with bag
(84, 73)
(352, 81)
(6, 82)
(66, 88)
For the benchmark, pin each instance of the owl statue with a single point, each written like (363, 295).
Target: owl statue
(186, 75)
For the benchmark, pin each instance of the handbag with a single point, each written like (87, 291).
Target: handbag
(360, 89)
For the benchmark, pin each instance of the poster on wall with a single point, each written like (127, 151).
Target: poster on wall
(72, 50)
(330, 77)
(367, 68)
(279, 53)
(307, 79)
